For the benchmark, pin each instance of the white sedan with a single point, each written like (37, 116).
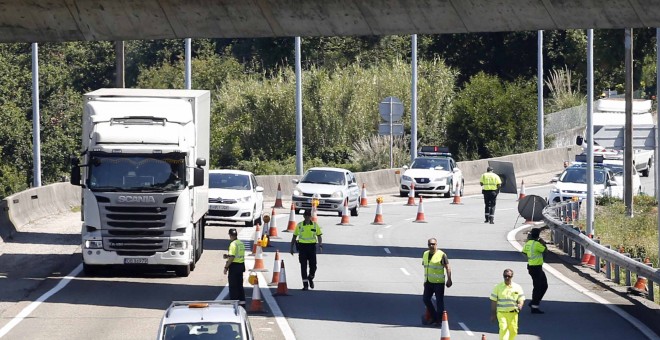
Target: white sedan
(432, 175)
(234, 196)
(616, 165)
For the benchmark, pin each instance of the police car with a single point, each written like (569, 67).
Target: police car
(205, 320)
(572, 182)
(434, 171)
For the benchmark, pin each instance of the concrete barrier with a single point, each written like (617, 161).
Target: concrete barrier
(30, 205)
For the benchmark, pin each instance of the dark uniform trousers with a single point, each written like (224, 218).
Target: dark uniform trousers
(540, 283)
(439, 290)
(307, 256)
(235, 278)
(490, 197)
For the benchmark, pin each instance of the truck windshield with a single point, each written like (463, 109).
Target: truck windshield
(125, 172)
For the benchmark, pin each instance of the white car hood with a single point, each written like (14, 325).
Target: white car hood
(427, 173)
(228, 193)
(327, 189)
(564, 186)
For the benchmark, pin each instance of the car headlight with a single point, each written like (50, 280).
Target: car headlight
(555, 190)
(297, 192)
(406, 178)
(441, 180)
(178, 244)
(244, 199)
(337, 194)
(93, 244)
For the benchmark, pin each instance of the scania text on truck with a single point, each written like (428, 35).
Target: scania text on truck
(144, 177)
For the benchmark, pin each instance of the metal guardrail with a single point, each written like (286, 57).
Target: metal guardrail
(575, 242)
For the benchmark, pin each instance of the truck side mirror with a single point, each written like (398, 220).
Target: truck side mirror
(200, 162)
(75, 171)
(198, 176)
(579, 140)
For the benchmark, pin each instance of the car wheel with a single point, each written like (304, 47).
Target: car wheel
(403, 194)
(356, 210)
(249, 224)
(462, 188)
(340, 213)
(448, 194)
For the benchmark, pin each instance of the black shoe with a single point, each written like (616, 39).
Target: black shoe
(305, 286)
(311, 283)
(486, 221)
(537, 311)
(492, 222)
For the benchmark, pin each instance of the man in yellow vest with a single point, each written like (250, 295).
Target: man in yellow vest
(437, 274)
(535, 249)
(235, 266)
(490, 187)
(308, 234)
(506, 301)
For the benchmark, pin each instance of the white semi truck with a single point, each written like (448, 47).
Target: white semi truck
(144, 176)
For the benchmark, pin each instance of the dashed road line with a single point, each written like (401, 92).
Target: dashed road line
(387, 250)
(466, 329)
(405, 271)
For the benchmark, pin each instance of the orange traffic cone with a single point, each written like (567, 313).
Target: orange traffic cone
(278, 198)
(522, 190)
(276, 269)
(588, 258)
(257, 239)
(282, 288)
(314, 217)
(426, 318)
(291, 227)
(272, 230)
(259, 259)
(444, 334)
(411, 195)
(379, 212)
(420, 213)
(641, 287)
(345, 214)
(483, 336)
(256, 305)
(457, 195)
(363, 197)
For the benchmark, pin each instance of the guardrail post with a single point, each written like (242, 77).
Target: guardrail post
(566, 244)
(608, 266)
(577, 211)
(617, 274)
(597, 258)
(628, 276)
(651, 289)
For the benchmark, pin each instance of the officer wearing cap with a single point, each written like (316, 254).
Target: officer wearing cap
(306, 236)
(235, 266)
(490, 187)
(535, 249)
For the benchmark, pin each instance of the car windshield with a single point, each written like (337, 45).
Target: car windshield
(430, 163)
(229, 181)
(146, 173)
(183, 331)
(617, 169)
(324, 177)
(579, 175)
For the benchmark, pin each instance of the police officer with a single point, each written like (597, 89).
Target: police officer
(507, 301)
(436, 273)
(535, 249)
(235, 266)
(308, 234)
(490, 187)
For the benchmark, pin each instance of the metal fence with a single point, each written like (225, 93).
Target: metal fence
(612, 263)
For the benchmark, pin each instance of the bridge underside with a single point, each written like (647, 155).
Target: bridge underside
(69, 20)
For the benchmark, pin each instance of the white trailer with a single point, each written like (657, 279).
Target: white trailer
(143, 169)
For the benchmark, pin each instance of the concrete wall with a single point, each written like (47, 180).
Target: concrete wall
(30, 205)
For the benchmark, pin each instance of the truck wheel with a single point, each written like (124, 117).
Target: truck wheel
(90, 270)
(182, 271)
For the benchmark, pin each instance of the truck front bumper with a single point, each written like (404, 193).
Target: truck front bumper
(171, 257)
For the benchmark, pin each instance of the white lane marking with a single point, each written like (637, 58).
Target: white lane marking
(32, 306)
(387, 226)
(405, 271)
(275, 308)
(511, 237)
(380, 235)
(387, 250)
(409, 219)
(466, 329)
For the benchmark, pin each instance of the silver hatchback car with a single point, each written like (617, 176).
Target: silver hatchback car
(331, 186)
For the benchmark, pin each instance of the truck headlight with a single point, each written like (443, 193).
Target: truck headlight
(338, 194)
(406, 178)
(93, 244)
(178, 244)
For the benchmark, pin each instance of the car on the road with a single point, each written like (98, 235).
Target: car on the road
(434, 171)
(616, 165)
(331, 186)
(190, 320)
(234, 196)
(572, 182)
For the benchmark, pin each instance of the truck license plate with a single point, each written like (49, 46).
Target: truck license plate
(137, 260)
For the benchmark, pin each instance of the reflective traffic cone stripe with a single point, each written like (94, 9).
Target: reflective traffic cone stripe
(588, 258)
(345, 214)
(276, 269)
(272, 230)
(457, 195)
(314, 217)
(522, 190)
(363, 197)
(444, 334)
(278, 198)
(282, 288)
(379, 214)
(411, 195)
(257, 239)
(259, 259)
(291, 227)
(420, 212)
(256, 305)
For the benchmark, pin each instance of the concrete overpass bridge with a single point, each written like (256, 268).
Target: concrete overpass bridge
(80, 20)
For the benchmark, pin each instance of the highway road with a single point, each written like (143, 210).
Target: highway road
(368, 286)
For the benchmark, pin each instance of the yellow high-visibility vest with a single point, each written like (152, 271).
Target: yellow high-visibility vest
(434, 270)
(534, 251)
(237, 250)
(307, 233)
(507, 297)
(490, 181)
